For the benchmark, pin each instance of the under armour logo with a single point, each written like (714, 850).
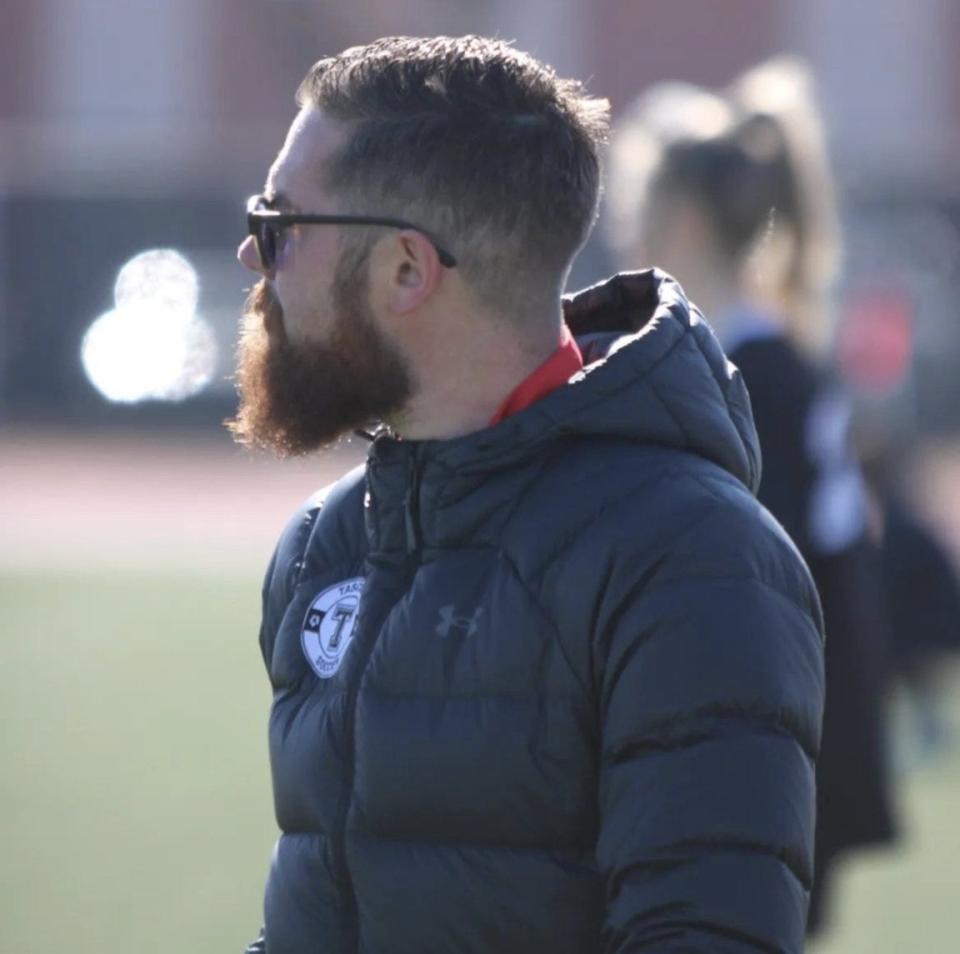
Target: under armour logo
(449, 621)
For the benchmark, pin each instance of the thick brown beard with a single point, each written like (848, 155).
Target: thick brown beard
(295, 399)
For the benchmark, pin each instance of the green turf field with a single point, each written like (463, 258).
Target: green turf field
(136, 804)
(905, 900)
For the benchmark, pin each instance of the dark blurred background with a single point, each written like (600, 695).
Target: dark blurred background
(135, 800)
(144, 125)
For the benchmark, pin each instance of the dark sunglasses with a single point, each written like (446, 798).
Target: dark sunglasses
(265, 225)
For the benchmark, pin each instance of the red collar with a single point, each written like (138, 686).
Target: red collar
(556, 371)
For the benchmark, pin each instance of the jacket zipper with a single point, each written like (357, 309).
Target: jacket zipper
(412, 539)
(411, 505)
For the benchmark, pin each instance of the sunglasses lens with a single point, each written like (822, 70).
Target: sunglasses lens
(267, 244)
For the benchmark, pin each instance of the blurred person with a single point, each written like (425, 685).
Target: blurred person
(731, 191)
(921, 592)
(546, 676)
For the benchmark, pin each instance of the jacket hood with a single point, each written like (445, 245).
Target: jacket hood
(655, 374)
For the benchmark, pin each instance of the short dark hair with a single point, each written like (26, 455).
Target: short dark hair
(480, 143)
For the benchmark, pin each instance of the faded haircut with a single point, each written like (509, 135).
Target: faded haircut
(477, 142)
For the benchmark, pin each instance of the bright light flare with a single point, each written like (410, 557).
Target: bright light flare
(132, 356)
(161, 276)
(152, 345)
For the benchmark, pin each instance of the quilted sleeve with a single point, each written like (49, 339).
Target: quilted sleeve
(710, 692)
(286, 563)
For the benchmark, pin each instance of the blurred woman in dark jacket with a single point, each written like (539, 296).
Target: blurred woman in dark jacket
(922, 596)
(732, 191)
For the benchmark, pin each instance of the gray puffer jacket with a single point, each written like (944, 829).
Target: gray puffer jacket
(555, 686)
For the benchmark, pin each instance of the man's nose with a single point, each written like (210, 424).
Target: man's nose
(248, 256)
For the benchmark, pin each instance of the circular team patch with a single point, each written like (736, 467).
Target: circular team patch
(329, 624)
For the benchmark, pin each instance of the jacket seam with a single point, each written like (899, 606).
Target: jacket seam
(731, 578)
(549, 850)
(554, 627)
(731, 843)
(552, 698)
(764, 720)
(575, 532)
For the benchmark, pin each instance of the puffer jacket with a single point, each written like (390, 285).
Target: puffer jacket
(554, 686)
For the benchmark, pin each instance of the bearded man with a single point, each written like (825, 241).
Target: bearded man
(547, 678)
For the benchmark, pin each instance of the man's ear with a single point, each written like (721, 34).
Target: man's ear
(414, 272)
